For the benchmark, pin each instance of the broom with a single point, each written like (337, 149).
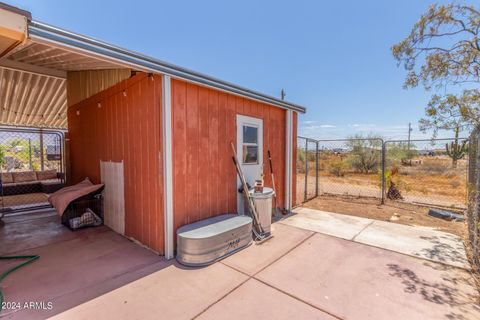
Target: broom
(257, 228)
(277, 211)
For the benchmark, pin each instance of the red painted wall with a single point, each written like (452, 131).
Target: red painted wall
(128, 128)
(204, 123)
(125, 128)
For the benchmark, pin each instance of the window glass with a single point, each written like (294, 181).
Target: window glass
(250, 134)
(250, 154)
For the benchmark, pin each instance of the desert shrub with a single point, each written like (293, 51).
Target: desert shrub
(300, 154)
(311, 156)
(399, 153)
(434, 167)
(365, 153)
(338, 168)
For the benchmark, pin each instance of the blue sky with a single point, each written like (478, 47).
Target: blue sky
(331, 56)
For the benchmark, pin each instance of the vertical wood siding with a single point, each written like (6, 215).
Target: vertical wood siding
(203, 124)
(125, 128)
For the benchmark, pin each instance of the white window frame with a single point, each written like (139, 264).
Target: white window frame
(249, 144)
(256, 123)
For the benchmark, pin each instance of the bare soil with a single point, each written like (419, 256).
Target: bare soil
(401, 213)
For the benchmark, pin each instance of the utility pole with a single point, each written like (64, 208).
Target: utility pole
(282, 94)
(409, 131)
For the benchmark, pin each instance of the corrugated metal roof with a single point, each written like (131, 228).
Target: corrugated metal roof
(55, 58)
(37, 97)
(28, 99)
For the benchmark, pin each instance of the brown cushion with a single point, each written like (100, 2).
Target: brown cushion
(24, 176)
(47, 174)
(7, 177)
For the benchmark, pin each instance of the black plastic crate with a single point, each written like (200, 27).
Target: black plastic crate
(84, 212)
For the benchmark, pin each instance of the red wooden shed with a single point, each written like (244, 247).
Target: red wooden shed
(158, 135)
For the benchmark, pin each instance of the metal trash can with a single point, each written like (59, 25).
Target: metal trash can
(263, 206)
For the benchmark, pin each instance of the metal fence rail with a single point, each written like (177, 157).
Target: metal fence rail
(421, 172)
(31, 167)
(307, 169)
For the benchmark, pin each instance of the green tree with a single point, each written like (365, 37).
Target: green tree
(442, 49)
(365, 153)
(446, 40)
(452, 112)
(455, 113)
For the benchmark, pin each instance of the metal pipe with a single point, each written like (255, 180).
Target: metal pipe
(42, 164)
(306, 171)
(30, 153)
(316, 169)
(383, 171)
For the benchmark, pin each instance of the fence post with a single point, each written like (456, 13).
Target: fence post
(316, 168)
(476, 212)
(384, 146)
(306, 171)
(42, 164)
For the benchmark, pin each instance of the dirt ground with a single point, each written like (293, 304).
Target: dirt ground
(393, 212)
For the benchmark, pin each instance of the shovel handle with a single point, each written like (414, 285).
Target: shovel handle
(270, 161)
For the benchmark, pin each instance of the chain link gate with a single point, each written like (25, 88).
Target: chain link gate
(31, 167)
(429, 172)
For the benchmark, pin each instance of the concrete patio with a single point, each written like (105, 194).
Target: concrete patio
(422, 242)
(299, 274)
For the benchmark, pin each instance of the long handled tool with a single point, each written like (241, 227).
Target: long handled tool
(277, 211)
(257, 228)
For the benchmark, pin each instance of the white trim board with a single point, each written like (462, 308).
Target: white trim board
(288, 160)
(167, 165)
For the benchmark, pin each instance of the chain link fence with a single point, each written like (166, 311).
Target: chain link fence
(31, 167)
(427, 172)
(420, 172)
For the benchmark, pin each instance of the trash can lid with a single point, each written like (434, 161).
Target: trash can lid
(266, 193)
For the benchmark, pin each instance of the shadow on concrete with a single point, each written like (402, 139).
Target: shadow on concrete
(442, 250)
(449, 290)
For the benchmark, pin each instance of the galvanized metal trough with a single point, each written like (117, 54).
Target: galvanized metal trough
(204, 242)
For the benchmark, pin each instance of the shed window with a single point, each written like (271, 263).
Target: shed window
(250, 145)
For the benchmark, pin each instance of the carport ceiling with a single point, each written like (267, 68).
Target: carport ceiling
(33, 84)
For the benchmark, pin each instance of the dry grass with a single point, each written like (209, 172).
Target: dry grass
(430, 177)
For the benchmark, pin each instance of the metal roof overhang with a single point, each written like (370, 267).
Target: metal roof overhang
(43, 33)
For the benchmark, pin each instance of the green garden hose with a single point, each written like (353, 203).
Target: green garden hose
(6, 273)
